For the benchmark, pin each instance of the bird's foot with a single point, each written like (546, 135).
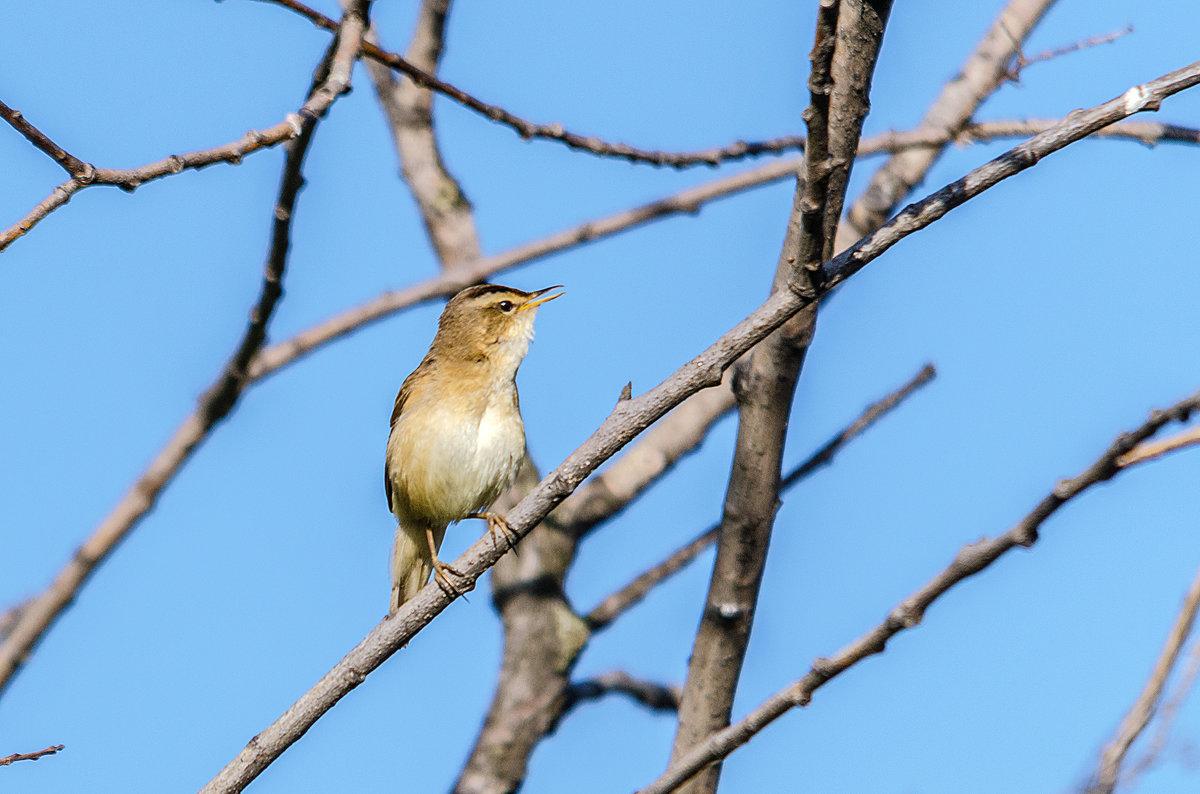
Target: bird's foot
(498, 526)
(442, 572)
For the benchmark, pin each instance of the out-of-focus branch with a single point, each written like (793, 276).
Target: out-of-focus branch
(1156, 449)
(1166, 719)
(30, 756)
(657, 697)
(984, 71)
(969, 561)
(36, 617)
(554, 132)
(1143, 709)
(1082, 44)
(619, 602)
(409, 109)
(848, 36)
(631, 417)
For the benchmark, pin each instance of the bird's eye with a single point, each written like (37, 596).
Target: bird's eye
(505, 306)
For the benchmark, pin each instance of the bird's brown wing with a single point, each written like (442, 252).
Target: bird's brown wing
(402, 396)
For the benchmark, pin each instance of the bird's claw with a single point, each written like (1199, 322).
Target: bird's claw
(498, 525)
(441, 574)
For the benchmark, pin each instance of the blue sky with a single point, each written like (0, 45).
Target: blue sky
(1059, 308)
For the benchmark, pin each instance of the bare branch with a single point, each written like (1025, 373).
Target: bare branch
(130, 179)
(1143, 709)
(1144, 452)
(848, 36)
(619, 602)
(70, 163)
(737, 150)
(984, 71)
(970, 560)
(30, 756)
(39, 614)
(1166, 719)
(1083, 44)
(686, 202)
(606, 494)
(409, 108)
(631, 417)
(657, 697)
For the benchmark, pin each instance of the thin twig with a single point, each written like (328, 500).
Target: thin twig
(1082, 44)
(984, 71)
(129, 179)
(970, 560)
(70, 163)
(631, 594)
(737, 150)
(1143, 709)
(1156, 449)
(1147, 132)
(40, 613)
(30, 756)
(1166, 719)
(657, 697)
(631, 417)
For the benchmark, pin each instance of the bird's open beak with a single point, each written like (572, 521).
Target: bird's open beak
(534, 303)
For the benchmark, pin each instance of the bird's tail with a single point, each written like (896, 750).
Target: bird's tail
(411, 563)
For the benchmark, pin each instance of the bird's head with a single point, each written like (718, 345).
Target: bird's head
(489, 322)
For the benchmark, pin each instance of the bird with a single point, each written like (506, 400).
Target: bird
(457, 438)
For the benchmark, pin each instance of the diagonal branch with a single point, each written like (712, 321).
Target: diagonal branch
(631, 594)
(11, 759)
(631, 417)
(737, 150)
(70, 163)
(969, 561)
(1143, 710)
(36, 617)
(1166, 719)
(984, 71)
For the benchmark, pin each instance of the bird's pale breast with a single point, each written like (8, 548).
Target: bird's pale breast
(467, 458)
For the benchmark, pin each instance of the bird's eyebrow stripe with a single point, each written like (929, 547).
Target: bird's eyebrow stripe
(488, 289)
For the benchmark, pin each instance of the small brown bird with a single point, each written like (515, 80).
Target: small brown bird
(457, 437)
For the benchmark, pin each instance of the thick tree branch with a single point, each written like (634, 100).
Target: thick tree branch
(631, 417)
(657, 697)
(847, 41)
(30, 756)
(39, 614)
(543, 635)
(969, 561)
(984, 71)
(1144, 708)
(409, 109)
(631, 594)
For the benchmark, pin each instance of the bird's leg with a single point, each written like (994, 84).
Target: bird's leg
(442, 571)
(498, 525)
